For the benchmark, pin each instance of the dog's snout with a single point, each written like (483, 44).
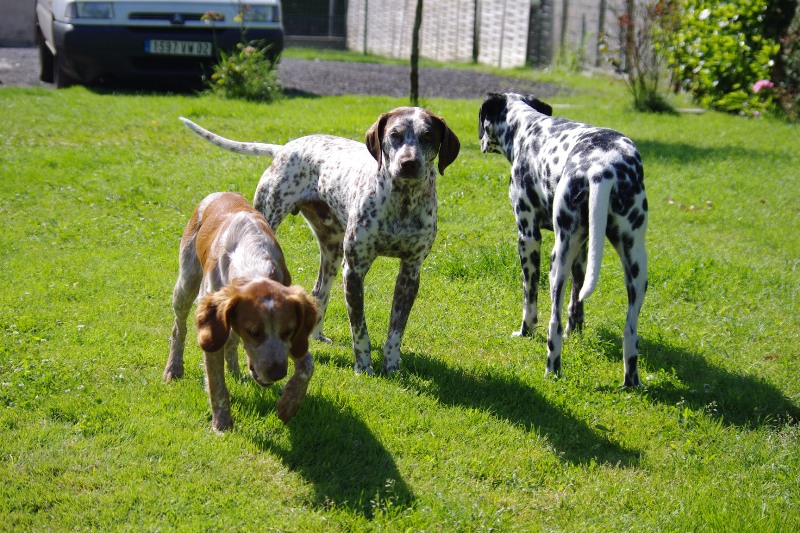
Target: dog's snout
(409, 166)
(276, 372)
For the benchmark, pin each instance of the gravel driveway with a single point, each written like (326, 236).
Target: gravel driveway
(20, 67)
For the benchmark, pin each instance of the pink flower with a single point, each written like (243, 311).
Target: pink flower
(762, 84)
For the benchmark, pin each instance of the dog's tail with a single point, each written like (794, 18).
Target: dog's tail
(599, 196)
(247, 148)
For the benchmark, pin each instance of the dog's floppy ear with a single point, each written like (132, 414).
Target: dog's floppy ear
(491, 108)
(213, 319)
(538, 105)
(307, 313)
(450, 146)
(374, 138)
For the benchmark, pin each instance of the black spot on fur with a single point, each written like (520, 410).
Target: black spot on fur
(631, 295)
(612, 233)
(492, 109)
(565, 219)
(538, 105)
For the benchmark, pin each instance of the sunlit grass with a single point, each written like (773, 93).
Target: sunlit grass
(95, 190)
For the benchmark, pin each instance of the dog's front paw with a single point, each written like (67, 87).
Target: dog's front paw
(291, 399)
(221, 422)
(632, 380)
(364, 369)
(573, 326)
(391, 367)
(322, 338)
(525, 330)
(173, 372)
(553, 367)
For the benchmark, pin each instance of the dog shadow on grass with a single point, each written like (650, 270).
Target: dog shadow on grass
(337, 453)
(517, 402)
(683, 153)
(735, 399)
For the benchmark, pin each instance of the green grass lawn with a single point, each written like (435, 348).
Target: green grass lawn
(95, 190)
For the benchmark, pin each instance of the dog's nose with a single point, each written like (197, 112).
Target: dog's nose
(276, 372)
(409, 166)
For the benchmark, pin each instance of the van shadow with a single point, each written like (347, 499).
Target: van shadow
(338, 454)
(735, 399)
(160, 88)
(520, 404)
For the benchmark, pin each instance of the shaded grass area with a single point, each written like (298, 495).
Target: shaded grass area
(95, 189)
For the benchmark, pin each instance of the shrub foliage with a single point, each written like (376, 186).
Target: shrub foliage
(718, 50)
(789, 87)
(246, 74)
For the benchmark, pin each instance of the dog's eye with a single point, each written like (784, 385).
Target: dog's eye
(426, 137)
(396, 135)
(255, 332)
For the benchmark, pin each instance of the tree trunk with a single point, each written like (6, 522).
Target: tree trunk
(415, 55)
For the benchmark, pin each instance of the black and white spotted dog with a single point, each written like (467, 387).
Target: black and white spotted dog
(584, 183)
(362, 200)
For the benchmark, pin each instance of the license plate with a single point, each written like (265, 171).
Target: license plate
(178, 48)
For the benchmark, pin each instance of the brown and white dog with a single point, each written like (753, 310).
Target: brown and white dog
(362, 200)
(229, 256)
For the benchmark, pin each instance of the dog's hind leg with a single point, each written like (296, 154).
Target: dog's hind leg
(575, 318)
(190, 275)
(631, 250)
(275, 197)
(330, 236)
(566, 247)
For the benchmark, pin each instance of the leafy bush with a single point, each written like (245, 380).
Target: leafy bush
(718, 51)
(246, 74)
(789, 87)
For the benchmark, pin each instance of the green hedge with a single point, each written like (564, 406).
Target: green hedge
(718, 51)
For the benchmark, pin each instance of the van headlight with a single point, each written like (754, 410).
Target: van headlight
(90, 10)
(250, 13)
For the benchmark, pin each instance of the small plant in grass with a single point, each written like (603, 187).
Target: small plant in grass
(642, 26)
(246, 74)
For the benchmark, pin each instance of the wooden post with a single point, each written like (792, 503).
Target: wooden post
(366, 24)
(415, 55)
